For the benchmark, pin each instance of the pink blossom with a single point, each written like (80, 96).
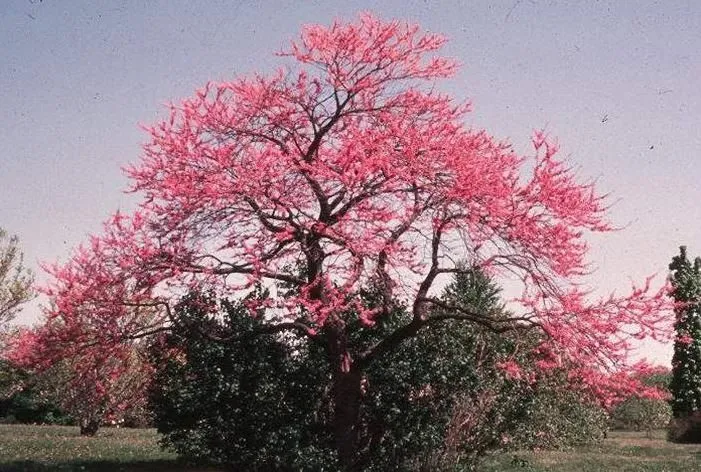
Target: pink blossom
(511, 369)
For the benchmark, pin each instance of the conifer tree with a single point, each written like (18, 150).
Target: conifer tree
(686, 362)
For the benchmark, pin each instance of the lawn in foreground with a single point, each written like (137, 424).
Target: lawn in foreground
(621, 452)
(59, 448)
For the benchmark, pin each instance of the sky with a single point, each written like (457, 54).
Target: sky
(616, 82)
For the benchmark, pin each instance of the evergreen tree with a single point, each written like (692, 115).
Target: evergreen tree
(686, 363)
(472, 288)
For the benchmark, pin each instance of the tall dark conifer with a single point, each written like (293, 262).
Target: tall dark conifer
(686, 363)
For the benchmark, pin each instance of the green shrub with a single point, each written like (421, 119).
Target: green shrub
(227, 392)
(29, 407)
(641, 414)
(246, 401)
(560, 419)
(21, 401)
(421, 393)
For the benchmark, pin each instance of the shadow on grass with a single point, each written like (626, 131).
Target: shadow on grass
(106, 466)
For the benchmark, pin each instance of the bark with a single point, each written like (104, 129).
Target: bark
(347, 397)
(89, 427)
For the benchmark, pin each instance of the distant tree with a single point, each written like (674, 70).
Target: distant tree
(641, 414)
(685, 385)
(15, 280)
(686, 362)
(638, 413)
(92, 390)
(659, 377)
(104, 394)
(15, 289)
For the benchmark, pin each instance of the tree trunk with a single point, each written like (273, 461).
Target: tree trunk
(347, 395)
(89, 427)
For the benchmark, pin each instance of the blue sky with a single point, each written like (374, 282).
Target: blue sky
(617, 82)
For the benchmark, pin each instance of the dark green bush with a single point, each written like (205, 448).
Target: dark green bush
(23, 402)
(227, 392)
(416, 394)
(247, 401)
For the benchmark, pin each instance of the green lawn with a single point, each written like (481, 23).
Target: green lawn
(623, 451)
(58, 448)
(61, 448)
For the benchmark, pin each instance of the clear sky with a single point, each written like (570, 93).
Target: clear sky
(618, 82)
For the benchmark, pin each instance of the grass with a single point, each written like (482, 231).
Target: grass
(30, 448)
(621, 452)
(59, 448)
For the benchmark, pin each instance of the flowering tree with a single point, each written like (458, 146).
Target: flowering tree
(92, 389)
(350, 165)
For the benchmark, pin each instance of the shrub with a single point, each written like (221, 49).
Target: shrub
(22, 401)
(30, 407)
(641, 414)
(246, 400)
(481, 422)
(558, 418)
(425, 395)
(686, 429)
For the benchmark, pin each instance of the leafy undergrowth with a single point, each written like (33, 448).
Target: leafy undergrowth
(621, 452)
(59, 448)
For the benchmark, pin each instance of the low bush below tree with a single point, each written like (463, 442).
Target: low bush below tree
(641, 414)
(229, 392)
